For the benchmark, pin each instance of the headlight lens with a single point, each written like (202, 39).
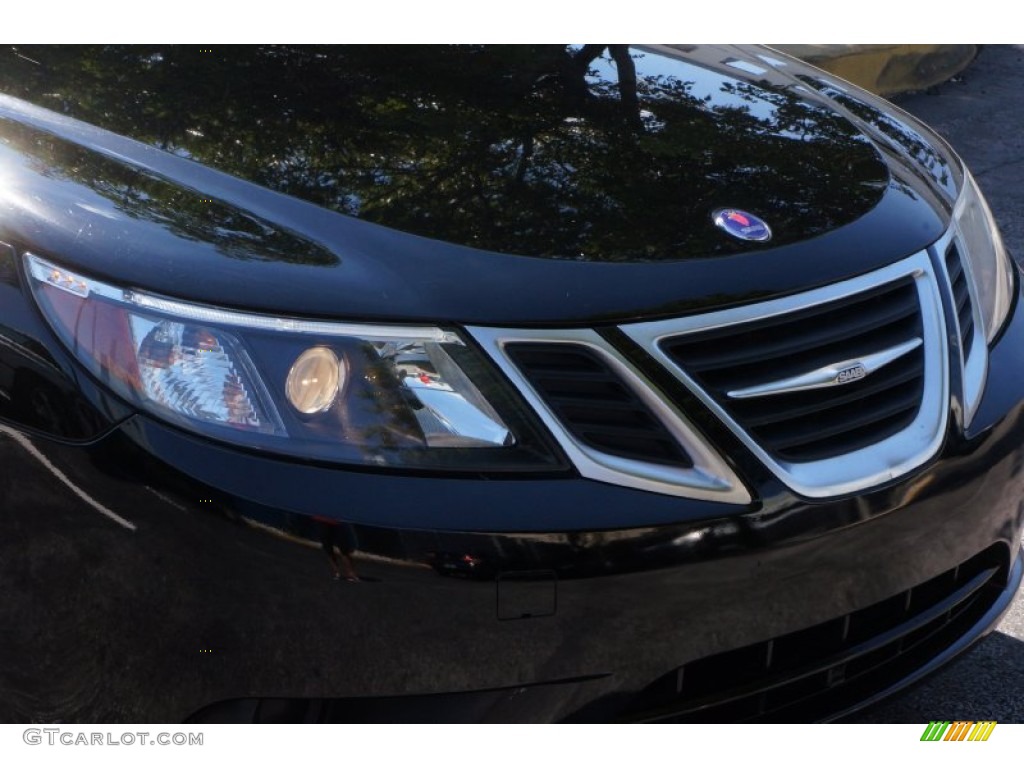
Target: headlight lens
(367, 394)
(315, 380)
(987, 262)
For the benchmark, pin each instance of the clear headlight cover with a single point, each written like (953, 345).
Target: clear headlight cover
(988, 264)
(399, 396)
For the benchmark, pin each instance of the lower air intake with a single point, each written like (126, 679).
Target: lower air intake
(806, 675)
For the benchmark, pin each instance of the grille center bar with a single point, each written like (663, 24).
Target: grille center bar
(830, 375)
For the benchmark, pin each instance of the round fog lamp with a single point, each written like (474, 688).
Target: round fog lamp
(314, 380)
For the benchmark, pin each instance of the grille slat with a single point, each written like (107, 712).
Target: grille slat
(854, 418)
(573, 388)
(613, 430)
(810, 359)
(953, 265)
(608, 408)
(594, 404)
(962, 297)
(800, 344)
(826, 422)
(804, 404)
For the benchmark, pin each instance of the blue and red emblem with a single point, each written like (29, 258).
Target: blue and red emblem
(742, 225)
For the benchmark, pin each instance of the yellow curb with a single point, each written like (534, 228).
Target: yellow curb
(888, 69)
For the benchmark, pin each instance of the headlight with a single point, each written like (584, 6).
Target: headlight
(986, 261)
(366, 394)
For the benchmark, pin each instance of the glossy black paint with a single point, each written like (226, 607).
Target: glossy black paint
(593, 153)
(842, 197)
(217, 592)
(151, 561)
(149, 574)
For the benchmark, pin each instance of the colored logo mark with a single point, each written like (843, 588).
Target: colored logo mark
(741, 225)
(943, 730)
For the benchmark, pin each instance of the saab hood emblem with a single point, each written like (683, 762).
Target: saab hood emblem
(741, 225)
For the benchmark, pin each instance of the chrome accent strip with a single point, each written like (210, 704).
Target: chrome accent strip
(863, 468)
(39, 268)
(709, 479)
(828, 375)
(369, 332)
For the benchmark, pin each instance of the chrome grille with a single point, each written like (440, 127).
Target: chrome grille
(822, 418)
(836, 389)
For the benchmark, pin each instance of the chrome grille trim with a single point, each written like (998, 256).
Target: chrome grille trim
(827, 376)
(709, 479)
(974, 366)
(862, 468)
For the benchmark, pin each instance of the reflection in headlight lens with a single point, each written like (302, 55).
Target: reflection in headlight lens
(314, 380)
(380, 395)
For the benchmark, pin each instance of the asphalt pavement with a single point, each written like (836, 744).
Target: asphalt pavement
(981, 113)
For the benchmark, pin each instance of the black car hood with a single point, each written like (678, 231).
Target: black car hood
(527, 184)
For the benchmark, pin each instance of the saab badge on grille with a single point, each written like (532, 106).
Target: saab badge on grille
(853, 373)
(741, 225)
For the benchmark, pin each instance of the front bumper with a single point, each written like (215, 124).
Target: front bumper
(152, 576)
